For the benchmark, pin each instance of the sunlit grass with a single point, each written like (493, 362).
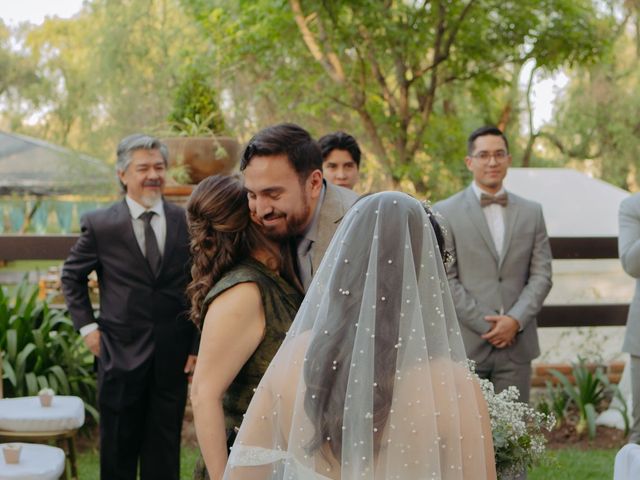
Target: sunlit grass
(569, 464)
(89, 463)
(566, 464)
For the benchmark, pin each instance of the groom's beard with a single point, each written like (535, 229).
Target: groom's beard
(291, 224)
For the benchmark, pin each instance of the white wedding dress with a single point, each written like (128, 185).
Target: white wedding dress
(371, 381)
(257, 456)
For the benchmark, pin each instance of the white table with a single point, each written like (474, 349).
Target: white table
(25, 414)
(37, 462)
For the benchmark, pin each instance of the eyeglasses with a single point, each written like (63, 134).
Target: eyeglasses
(484, 156)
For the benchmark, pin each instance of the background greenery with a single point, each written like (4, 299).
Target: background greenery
(563, 465)
(409, 79)
(568, 464)
(89, 463)
(41, 349)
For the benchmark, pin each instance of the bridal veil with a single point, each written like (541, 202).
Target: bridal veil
(371, 381)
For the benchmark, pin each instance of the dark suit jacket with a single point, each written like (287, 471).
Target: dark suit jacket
(142, 318)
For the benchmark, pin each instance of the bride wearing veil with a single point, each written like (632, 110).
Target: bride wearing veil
(371, 381)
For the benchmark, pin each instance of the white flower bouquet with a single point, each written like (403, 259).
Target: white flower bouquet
(517, 430)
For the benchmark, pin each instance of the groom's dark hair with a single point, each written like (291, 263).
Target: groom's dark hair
(287, 139)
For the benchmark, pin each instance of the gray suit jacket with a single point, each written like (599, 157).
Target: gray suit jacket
(485, 283)
(629, 250)
(337, 200)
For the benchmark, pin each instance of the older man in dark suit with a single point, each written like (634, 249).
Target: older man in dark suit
(142, 339)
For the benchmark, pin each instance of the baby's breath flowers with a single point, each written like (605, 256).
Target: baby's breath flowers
(517, 430)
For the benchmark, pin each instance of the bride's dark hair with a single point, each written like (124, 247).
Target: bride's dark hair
(328, 359)
(222, 234)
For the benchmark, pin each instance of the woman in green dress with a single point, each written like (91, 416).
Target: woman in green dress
(244, 296)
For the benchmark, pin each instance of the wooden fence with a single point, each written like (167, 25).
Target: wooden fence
(56, 247)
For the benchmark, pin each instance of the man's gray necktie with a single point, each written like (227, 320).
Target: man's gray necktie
(151, 243)
(305, 269)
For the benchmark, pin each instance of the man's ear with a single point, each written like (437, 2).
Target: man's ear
(467, 162)
(120, 174)
(315, 183)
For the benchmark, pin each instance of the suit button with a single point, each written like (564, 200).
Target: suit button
(500, 279)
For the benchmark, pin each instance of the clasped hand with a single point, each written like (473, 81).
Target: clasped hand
(503, 330)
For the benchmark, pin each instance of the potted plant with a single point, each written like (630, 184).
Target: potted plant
(197, 149)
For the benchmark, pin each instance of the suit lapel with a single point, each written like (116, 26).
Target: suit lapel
(171, 216)
(475, 213)
(510, 217)
(331, 212)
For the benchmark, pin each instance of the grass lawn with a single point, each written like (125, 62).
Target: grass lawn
(89, 464)
(568, 464)
(563, 464)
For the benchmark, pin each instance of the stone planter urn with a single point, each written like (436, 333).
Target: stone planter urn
(203, 156)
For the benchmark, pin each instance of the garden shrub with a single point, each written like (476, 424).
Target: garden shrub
(589, 392)
(41, 349)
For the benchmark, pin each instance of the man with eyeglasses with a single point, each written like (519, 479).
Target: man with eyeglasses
(501, 272)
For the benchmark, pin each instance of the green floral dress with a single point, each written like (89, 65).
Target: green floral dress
(280, 301)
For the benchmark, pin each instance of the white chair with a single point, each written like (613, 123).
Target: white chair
(627, 464)
(37, 462)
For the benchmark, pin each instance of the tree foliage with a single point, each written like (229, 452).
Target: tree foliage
(107, 72)
(597, 126)
(195, 103)
(409, 79)
(393, 72)
(17, 70)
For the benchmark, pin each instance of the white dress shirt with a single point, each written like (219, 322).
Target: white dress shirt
(494, 214)
(159, 225)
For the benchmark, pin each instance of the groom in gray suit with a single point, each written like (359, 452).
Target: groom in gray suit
(501, 271)
(629, 250)
(288, 197)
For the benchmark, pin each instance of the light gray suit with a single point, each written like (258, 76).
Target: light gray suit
(337, 200)
(629, 250)
(484, 282)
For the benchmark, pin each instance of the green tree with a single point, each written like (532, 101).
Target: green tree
(109, 71)
(195, 105)
(597, 124)
(398, 73)
(17, 71)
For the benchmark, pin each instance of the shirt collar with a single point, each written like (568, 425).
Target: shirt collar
(135, 209)
(311, 232)
(478, 191)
